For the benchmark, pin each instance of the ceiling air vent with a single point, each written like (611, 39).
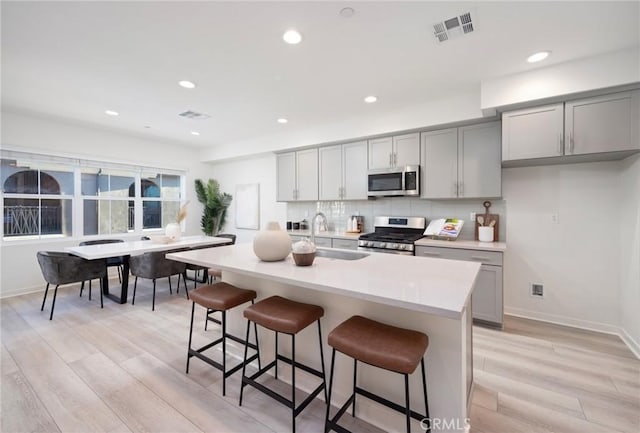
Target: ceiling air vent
(453, 27)
(189, 114)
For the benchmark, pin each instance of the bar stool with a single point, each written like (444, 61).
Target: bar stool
(289, 317)
(221, 297)
(380, 345)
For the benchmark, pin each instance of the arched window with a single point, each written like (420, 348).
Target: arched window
(26, 212)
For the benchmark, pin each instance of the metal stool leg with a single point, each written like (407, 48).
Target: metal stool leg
(424, 390)
(324, 373)
(193, 308)
(276, 355)
(326, 418)
(293, 383)
(355, 373)
(244, 362)
(406, 396)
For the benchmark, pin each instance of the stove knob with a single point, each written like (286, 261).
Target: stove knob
(402, 246)
(394, 246)
(383, 245)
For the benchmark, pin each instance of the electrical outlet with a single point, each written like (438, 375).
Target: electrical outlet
(537, 290)
(472, 216)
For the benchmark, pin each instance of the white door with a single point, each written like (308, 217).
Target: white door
(602, 124)
(406, 150)
(533, 132)
(380, 153)
(479, 163)
(286, 176)
(440, 164)
(307, 174)
(330, 166)
(354, 164)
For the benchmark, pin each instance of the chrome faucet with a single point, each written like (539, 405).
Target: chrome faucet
(313, 225)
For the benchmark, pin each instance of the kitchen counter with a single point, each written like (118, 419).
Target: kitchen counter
(463, 244)
(427, 294)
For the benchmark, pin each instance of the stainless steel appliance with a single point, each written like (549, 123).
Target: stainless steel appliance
(394, 235)
(400, 181)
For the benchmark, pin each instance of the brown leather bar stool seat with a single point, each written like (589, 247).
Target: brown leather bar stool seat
(288, 317)
(221, 297)
(380, 345)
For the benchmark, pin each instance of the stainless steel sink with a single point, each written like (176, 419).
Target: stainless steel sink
(342, 255)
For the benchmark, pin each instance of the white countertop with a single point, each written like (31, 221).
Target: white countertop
(101, 251)
(436, 286)
(462, 244)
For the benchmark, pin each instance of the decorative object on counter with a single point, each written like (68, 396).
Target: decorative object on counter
(303, 252)
(304, 225)
(355, 224)
(488, 220)
(485, 233)
(447, 229)
(272, 244)
(173, 231)
(289, 225)
(215, 206)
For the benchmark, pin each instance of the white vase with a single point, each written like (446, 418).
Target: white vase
(173, 231)
(272, 243)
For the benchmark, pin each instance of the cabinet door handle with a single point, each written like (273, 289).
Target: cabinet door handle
(395, 159)
(480, 258)
(461, 189)
(560, 143)
(390, 159)
(454, 189)
(571, 142)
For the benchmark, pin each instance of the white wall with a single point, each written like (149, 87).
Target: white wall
(630, 251)
(461, 106)
(608, 70)
(19, 269)
(577, 260)
(259, 169)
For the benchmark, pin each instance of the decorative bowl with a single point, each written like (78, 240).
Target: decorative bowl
(303, 259)
(160, 239)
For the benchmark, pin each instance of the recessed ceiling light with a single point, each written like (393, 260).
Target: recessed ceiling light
(292, 37)
(282, 120)
(347, 12)
(112, 113)
(195, 133)
(187, 84)
(538, 56)
(370, 99)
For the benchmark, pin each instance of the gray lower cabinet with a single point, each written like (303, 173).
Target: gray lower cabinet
(345, 244)
(320, 242)
(487, 297)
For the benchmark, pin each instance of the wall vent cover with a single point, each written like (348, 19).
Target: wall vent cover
(537, 290)
(453, 27)
(190, 114)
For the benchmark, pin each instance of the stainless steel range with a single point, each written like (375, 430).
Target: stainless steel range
(394, 235)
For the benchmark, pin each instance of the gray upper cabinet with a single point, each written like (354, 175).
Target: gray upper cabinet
(297, 175)
(533, 133)
(343, 171)
(602, 124)
(462, 162)
(589, 129)
(396, 151)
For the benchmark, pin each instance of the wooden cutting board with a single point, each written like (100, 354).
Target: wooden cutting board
(487, 219)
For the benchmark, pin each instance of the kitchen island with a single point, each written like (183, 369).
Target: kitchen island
(430, 295)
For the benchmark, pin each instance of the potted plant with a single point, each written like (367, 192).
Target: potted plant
(215, 205)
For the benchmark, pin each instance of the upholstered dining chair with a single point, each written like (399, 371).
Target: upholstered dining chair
(63, 268)
(154, 265)
(111, 261)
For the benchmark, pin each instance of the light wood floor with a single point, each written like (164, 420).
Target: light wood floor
(122, 369)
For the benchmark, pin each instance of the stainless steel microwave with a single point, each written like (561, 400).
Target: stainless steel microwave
(399, 181)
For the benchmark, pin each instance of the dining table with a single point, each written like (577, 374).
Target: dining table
(132, 248)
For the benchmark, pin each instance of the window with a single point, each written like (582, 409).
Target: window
(37, 199)
(105, 201)
(41, 195)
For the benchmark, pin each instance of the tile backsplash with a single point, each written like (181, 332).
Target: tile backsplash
(338, 212)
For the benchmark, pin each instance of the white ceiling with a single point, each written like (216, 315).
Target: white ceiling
(77, 59)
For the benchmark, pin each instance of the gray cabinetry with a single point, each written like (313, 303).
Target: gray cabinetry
(297, 175)
(589, 129)
(462, 162)
(343, 172)
(487, 297)
(396, 151)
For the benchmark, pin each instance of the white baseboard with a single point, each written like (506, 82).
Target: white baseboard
(580, 324)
